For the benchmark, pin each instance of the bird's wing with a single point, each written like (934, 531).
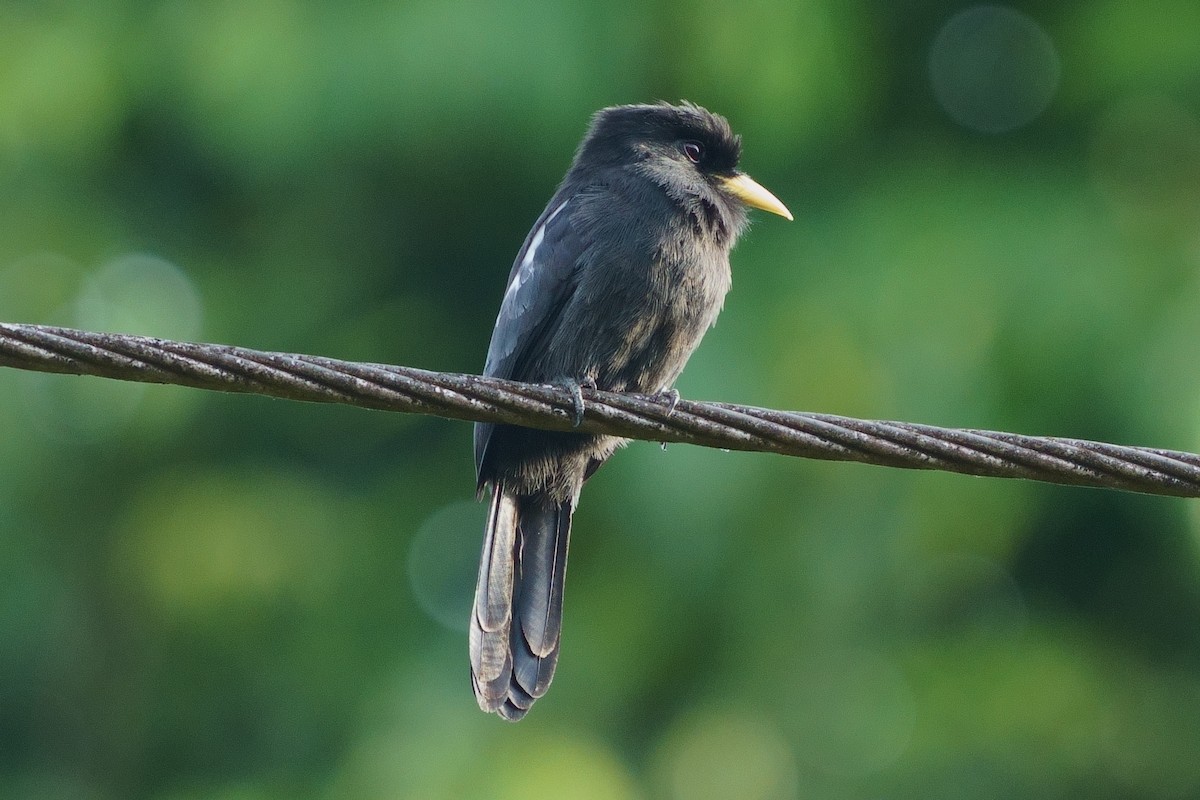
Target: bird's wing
(541, 283)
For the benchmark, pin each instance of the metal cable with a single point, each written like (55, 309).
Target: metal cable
(722, 425)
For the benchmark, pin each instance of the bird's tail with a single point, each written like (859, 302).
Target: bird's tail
(517, 617)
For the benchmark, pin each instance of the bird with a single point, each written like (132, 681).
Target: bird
(619, 278)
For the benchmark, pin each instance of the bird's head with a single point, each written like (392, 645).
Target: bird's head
(690, 152)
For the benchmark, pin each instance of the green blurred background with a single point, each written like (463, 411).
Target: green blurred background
(224, 597)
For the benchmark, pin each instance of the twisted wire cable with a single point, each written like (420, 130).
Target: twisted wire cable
(721, 425)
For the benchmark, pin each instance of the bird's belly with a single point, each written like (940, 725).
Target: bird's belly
(652, 354)
(656, 340)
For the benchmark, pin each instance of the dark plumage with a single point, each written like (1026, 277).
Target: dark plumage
(619, 279)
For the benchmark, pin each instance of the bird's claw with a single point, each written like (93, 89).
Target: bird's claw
(669, 398)
(575, 387)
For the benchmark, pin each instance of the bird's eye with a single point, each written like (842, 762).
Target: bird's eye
(694, 151)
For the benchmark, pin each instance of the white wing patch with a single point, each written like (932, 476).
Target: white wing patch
(526, 268)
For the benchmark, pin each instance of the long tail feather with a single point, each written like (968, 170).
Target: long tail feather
(517, 619)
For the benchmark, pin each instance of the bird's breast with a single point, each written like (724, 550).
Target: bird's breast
(664, 314)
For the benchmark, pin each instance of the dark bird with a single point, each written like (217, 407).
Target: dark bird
(614, 287)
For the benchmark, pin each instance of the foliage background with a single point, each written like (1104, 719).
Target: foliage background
(206, 596)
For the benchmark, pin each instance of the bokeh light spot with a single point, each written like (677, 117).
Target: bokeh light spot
(194, 543)
(443, 560)
(140, 293)
(132, 293)
(538, 765)
(993, 69)
(720, 755)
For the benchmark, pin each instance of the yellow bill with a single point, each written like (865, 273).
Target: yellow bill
(750, 192)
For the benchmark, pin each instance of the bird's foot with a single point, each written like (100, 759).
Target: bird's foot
(576, 387)
(669, 398)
